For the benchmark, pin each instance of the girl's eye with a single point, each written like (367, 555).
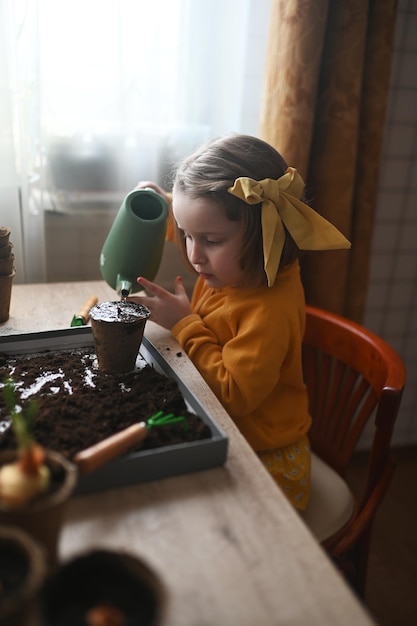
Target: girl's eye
(205, 240)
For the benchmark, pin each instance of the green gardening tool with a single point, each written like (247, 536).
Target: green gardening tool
(90, 459)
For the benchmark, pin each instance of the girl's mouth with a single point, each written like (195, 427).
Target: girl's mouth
(205, 276)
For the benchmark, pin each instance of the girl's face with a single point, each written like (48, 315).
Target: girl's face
(213, 242)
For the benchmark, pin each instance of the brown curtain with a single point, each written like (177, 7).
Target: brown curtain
(326, 89)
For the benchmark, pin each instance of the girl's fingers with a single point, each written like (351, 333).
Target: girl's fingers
(148, 184)
(179, 288)
(150, 286)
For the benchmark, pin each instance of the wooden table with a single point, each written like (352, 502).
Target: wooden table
(228, 546)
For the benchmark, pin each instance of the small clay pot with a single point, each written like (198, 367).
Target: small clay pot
(22, 575)
(42, 517)
(6, 250)
(117, 329)
(7, 266)
(103, 587)
(6, 283)
(4, 236)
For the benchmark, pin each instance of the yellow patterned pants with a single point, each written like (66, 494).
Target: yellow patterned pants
(290, 468)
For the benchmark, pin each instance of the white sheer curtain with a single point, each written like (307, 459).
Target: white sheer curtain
(96, 95)
(10, 212)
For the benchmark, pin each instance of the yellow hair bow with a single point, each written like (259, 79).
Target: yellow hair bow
(281, 206)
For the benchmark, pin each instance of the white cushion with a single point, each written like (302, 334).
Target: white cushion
(331, 502)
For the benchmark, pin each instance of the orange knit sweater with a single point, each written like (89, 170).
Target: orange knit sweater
(246, 343)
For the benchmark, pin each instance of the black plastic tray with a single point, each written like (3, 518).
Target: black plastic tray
(141, 466)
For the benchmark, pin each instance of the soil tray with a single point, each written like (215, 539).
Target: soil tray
(144, 465)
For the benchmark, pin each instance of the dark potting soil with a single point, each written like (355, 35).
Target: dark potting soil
(114, 581)
(14, 566)
(79, 405)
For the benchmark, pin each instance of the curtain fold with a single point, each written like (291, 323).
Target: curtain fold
(293, 59)
(326, 88)
(9, 197)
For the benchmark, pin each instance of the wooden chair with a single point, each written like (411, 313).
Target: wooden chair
(354, 380)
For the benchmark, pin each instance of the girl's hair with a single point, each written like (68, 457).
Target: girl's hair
(211, 170)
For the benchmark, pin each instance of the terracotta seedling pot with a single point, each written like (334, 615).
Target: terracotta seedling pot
(118, 331)
(6, 251)
(7, 265)
(5, 296)
(4, 236)
(42, 517)
(22, 574)
(103, 587)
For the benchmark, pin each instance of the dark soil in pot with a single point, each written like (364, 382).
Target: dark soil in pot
(22, 573)
(118, 329)
(103, 584)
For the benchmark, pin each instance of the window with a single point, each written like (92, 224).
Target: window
(101, 94)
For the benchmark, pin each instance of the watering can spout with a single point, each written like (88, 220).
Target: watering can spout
(135, 243)
(123, 286)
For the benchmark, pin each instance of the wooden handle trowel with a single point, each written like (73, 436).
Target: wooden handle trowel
(81, 318)
(107, 449)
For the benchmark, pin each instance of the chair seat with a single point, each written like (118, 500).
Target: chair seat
(331, 503)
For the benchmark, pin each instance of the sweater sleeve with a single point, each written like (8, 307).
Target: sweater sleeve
(243, 370)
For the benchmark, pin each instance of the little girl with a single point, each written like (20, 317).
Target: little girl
(240, 225)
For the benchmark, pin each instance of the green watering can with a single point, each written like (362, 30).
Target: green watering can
(135, 242)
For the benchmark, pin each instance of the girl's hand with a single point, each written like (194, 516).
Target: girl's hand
(148, 184)
(166, 308)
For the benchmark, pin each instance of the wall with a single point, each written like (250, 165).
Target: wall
(391, 308)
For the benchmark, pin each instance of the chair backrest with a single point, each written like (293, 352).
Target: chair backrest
(351, 375)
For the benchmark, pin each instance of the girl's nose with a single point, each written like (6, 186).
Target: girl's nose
(195, 253)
